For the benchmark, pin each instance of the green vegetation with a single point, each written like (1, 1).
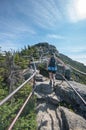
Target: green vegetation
(75, 75)
(11, 77)
(11, 68)
(9, 110)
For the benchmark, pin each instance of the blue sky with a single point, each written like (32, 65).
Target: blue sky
(59, 22)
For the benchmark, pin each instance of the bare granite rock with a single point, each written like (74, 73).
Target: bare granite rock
(71, 121)
(69, 97)
(53, 110)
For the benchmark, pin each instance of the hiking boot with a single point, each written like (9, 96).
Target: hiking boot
(50, 83)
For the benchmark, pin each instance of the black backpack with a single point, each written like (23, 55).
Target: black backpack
(52, 62)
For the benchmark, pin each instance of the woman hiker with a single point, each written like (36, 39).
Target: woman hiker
(52, 68)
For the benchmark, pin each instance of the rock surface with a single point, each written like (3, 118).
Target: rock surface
(57, 109)
(69, 97)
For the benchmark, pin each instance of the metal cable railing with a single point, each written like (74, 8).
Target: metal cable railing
(26, 101)
(77, 70)
(21, 109)
(13, 122)
(28, 98)
(72, 86)
(16, 90)
(74, 90)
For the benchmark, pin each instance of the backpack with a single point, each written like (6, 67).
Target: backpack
(52, 62)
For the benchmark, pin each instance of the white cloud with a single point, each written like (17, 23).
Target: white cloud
(54, 11)
(15, 30)
(7, 35)
(77, 49)
(18, 27)
(8, 45)
(80, 58)
(81, 9)
(44, 13)
(55, 36)
(73, 48)
(77, 10)
(76, 53)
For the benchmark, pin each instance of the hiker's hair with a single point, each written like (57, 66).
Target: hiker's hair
(52, 54)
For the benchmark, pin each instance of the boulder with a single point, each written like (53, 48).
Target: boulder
(70, 98)
(70, 120)
(39, 77)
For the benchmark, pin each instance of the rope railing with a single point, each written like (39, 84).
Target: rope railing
(21, 109)
(16, 90)
(74, 90)
(15, 119)
(76, 70)
(28, 98)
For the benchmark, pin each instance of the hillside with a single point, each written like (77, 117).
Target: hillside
(45, 49)
(40, 50)
(79, 66)
(73, 63)
(11, 76)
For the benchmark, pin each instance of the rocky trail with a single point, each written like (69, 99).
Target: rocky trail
(60, 108)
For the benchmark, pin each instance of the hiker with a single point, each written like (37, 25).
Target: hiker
(52, 68)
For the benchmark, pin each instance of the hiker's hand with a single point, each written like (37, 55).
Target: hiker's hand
(64, 66)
